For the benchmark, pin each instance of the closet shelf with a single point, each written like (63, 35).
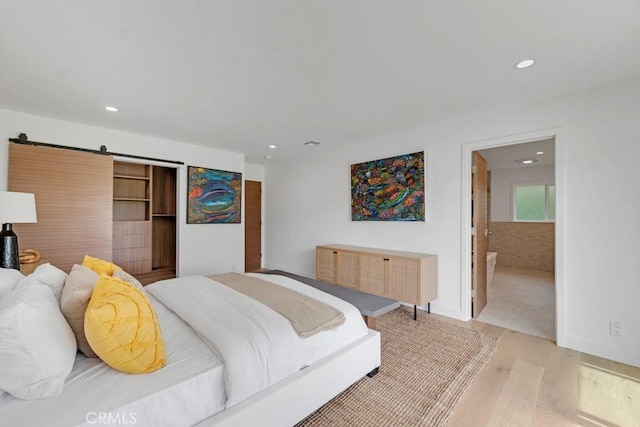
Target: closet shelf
(144, 178)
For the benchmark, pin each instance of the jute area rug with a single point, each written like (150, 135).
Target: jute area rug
(426, 367)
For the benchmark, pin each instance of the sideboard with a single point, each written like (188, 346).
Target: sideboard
(409, 277)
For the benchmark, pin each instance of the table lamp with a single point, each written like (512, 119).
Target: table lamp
(14, 208)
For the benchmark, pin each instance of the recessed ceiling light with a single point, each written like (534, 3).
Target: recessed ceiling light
(539, 152)
(272, 146)
(112, 109)
(525, 64)
(527, 161)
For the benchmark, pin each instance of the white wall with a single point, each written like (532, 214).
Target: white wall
(309, 205)
(253, 172)
(202, 248)
(502, 182)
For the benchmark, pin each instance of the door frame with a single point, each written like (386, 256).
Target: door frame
(465, 255)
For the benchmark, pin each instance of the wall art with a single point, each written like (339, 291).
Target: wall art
(213, 196)
(390, 189)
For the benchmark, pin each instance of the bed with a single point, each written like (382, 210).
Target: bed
(195, 386)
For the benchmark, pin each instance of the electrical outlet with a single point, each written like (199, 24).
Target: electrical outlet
(615, 328)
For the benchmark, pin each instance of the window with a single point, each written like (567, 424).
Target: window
(535, 202)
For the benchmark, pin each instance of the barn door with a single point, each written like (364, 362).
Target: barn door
(74, 202)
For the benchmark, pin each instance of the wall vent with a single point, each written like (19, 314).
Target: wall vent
(312, 143)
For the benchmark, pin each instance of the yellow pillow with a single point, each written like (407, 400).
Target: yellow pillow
(100, 266)
(122, 328)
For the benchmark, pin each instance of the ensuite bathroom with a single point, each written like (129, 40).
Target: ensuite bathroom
(521, 238)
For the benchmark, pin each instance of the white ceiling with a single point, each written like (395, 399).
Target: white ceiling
(240, 75)
(506, 157)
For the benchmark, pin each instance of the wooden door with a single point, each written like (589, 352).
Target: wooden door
(252, 225)
(479, 238)
(74, 192)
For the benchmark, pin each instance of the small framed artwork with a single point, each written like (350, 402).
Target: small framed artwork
(390, 189)
(213, 196)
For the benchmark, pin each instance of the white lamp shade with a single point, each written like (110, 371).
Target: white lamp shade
(16, 208)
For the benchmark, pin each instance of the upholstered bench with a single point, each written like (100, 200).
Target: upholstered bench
(370, 306)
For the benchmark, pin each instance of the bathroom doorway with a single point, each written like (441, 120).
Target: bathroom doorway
(521, 237)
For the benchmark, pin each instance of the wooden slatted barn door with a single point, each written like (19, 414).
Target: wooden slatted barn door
(253, 225)
(479, 239)
(73, 192)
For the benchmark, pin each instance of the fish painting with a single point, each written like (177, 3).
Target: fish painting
(214, 196)
(390, 189)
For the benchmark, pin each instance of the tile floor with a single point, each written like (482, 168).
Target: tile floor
(522, 300)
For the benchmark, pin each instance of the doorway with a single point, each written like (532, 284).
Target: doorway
(468, 150)
(520, 288)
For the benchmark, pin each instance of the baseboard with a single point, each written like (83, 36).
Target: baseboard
(599, 349)
(443, 310)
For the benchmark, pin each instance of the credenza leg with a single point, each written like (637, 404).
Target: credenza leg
(373, 372)
(415, 310)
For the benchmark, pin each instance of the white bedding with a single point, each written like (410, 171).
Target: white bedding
(188, 389)
(258, 346)
(320, 345)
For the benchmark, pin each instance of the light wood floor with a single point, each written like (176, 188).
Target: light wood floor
(529, 381)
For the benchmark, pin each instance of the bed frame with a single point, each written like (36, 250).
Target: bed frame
(292, 399)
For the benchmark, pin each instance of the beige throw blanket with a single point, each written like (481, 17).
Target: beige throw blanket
(307, 315)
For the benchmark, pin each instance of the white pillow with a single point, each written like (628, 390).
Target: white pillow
(46, 274)
(9, 277)
(38, 348)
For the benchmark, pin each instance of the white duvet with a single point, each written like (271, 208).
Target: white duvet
(257, 346)
(192, 385)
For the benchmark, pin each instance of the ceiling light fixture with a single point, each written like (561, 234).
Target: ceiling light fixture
(525, 64)
(539, 152)
(112, 109)
(272, 146)
(527, 161)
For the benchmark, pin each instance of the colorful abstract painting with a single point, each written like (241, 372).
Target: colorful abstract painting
(390, 189)
(214, 196)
